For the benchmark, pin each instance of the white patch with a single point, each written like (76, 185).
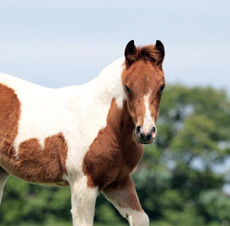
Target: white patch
(138, 218)
(135, 217)
(83, 202)
(110, 83)
(148, 121)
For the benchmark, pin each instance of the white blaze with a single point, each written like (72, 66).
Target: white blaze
(148, 121)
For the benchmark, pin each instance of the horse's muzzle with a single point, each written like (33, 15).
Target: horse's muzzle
(145, 138)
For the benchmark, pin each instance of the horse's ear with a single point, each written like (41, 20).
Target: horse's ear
(130, 53)
(161, 52)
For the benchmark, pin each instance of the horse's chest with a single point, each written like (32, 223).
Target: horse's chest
(108, 161)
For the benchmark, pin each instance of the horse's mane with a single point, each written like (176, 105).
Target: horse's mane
(148, 53)
(153, 53)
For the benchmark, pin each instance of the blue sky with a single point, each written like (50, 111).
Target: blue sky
(56, 43)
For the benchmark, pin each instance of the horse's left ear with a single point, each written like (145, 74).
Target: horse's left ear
(161, 52)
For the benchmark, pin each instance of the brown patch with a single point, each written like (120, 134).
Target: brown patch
(33, 164)
(38, 165)
(115, 152)
(9, 117)
(123, 194)
(45, 165)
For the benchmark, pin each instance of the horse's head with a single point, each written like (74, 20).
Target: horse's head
(143, 81)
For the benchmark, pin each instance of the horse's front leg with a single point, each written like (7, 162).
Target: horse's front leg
(83, 201)
(3, 177)
(124, 197)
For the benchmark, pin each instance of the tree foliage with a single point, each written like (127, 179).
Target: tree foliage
(179, 181)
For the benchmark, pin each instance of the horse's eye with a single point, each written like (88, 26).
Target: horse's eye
(127, 89)
(162, 88)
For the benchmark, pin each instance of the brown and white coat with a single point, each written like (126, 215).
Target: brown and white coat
(87, 137)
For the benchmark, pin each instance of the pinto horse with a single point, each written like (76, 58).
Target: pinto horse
(87, 137)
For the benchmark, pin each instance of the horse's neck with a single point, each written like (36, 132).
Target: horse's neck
(108, 85)
(109, 101)
(110, 91)
(122, 123)
(90, 104)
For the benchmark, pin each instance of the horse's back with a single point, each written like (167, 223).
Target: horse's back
(36, 106)
(17, 83)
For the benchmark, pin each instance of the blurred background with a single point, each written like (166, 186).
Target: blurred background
(184, 177)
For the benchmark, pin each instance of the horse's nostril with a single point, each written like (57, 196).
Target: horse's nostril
(138, 129)
(149, 136)
(154, 129)
(142, 135)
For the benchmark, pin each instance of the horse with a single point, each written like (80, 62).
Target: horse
(88, 137)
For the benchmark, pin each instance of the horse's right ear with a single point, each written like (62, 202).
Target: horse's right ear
(130, 53)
